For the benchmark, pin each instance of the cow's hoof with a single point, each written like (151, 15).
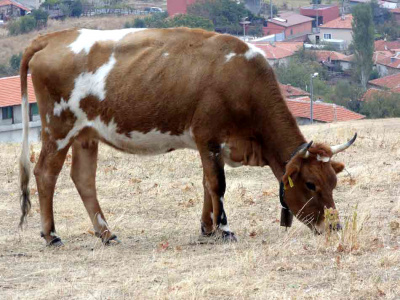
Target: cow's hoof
(56, 242)
(113, 240)
(229, 236)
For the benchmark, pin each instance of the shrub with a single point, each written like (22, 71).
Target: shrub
(15, 61)
(22, 25)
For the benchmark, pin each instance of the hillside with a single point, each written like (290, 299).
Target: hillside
(154, 205)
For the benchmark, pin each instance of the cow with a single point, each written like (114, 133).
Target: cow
(153, 91)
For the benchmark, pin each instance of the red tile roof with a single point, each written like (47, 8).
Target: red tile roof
(373, 93)
(339, 23)
(322, 112)
(289, 91)
(382, 45)
(391, 82)
(290, 19)
(389, 61)
(279, 50)
(395, 10)
(10, 91)
(324, 55)
(10, 2)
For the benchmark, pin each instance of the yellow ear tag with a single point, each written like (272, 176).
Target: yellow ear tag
(290, 182)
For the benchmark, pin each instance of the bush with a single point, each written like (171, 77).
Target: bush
(76, 8)
(15, 61)
(22, 25)
(382, 106)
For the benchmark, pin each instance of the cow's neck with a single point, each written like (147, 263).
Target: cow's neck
(281, 136)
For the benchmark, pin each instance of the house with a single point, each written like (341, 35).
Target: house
(396, 14)
(374, 94)
(382, 45)
(390, 83)
(279, 52)
(178, 6)
(325, 13)
(11, 112)
(387, 62)
(291, 24)
(291, 92)
(322, 112)
(337, 30)
(10, 9)
(334, 61)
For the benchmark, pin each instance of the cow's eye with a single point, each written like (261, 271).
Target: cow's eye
(310, 186)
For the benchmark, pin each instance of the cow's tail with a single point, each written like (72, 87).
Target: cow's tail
(24, 162)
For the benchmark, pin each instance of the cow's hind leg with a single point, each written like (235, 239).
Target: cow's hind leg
(214, 190)
(46, 172)
(83, 174)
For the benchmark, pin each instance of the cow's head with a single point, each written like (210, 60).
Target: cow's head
(309, 182)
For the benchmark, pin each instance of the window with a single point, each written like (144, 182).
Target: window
(34, 109)
(327, 36)
(291, 31)
(7, 112)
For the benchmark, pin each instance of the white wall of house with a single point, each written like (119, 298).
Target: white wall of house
(385, 70)
(333, 33)
(345, 65)
(10, 132)
(13, 133)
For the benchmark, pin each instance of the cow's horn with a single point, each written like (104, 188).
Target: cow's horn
(304, 152)
(339, 148)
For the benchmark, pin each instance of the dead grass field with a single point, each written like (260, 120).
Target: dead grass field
(154, 205)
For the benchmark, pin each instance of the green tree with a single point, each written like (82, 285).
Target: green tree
(41, 16)
(382, 106)
(363, 40)
(15, 61)
(191, 21)
(22, 25)
(224, 14)
(76, 8)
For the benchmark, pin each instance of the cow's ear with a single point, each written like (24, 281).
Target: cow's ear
(292, 171)
(337, 166)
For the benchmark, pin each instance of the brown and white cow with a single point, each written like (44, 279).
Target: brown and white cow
(153, 91)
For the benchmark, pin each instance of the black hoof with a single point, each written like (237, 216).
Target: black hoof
(113, 240)
(228, 236)
(56, 242)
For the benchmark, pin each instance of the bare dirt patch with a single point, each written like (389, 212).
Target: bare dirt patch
(154, 205)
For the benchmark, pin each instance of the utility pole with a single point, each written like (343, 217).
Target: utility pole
(312, 76)
(270, 2)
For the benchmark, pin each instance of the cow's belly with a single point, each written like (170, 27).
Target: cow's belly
(150, 143)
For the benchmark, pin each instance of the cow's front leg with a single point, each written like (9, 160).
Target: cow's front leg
(214, 220)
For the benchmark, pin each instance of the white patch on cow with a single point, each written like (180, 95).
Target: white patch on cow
(320, 228)
(59, 107)
(47, 130)
(87, 38)
(101, 221)
(47, 118)
(87, 83)
(212, 216)
(149, 143)
(53, 234)
(253, 52)
(229, 56)
(224, 227)
(165, 54)
(323, 158)
(226, 153)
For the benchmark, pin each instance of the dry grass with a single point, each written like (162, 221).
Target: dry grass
(10, 45)
(154, 205)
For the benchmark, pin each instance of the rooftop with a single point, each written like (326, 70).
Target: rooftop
(339, 23)
(395, 11)
(279, 50)
(391, 82)
(325, 55)
(10, 91)
(289, 91)
(288, 19)
(382, 45)
(11, 2)
(373, 93)
(323, 112)
(319, 6)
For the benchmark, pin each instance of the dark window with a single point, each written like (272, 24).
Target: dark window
(7, 112)
(291, 31)
(34, 109)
